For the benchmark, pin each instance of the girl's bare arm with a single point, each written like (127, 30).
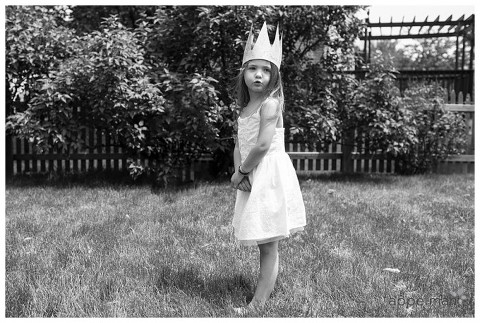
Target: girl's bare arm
(236, 155)
(268, 121)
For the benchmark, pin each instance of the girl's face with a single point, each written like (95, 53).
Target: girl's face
(257, 75)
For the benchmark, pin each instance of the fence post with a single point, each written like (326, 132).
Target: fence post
(347, 149)
(8, 156)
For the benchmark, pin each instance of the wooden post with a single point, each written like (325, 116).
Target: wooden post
(26, 151)
(347, 149)
(318, 161)
(456, 52)
(34, 168)
(295, 161)
(333, 149)
(472, 143)
(8, 156)
(83, 139)
(50, 169)
(360, 149)
(463, 51)
(108, 150)
(303, 163)
(91, 148)
(18, 151)
(365, 45)
(472, 45)
(8, 138)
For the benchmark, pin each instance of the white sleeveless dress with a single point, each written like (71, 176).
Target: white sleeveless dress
(274, 208)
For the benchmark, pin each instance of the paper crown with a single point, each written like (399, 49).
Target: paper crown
(262, 49)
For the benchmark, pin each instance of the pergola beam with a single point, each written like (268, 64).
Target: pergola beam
(432, 35)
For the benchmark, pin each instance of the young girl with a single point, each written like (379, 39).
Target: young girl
(269, 204)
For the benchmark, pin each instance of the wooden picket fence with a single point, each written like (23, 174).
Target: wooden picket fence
(342, 156)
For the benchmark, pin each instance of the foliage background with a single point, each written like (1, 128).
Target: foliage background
(158, 80)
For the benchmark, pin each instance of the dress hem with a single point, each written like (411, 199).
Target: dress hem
(255, 242)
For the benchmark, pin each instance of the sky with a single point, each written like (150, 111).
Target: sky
(420, 12)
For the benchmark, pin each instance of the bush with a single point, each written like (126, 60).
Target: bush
(413, 128)
(34, 45)
(161, 90)
(438, 133)
(212, 40)
(375, 112)
(107, 85)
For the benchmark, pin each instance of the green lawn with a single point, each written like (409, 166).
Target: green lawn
(123, 251)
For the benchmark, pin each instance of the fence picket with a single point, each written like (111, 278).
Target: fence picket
(468, 99)
(389, 166)
(301, 147)
(332, 161)
(452, 96)
(83, 138)
(91, 149)
(108, 151)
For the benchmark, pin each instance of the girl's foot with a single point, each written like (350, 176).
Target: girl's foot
(249, 309)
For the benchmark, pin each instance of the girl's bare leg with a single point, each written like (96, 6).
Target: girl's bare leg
(268, 273)
(266, 277)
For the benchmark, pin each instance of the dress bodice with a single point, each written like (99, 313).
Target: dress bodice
(248, 130)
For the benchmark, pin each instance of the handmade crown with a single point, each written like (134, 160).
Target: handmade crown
(262, 49)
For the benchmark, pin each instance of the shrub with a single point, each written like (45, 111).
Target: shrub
(376, 111)
(107, 85)
(413, 128)
(34, 45)
(212, 38)
(438, 133)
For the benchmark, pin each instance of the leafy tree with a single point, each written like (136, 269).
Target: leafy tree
(106, 85)
(424, 54)
(312, 83)
(394, 51)
(34, 45)
(438, 133)
(210, 40)
(86, 19)
(162, 89)
(374, 111)
(412, 128)
(431, 53)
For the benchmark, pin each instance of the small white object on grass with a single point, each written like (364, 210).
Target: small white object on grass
(392, 270)
(330, 191)
(401, 285)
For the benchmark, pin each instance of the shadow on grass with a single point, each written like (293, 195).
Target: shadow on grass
(119, 179)
(215, 291)
(89, 179)
(95, 179)
(349, 177)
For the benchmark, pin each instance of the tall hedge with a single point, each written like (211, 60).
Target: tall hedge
(158, 81)
(162, 88)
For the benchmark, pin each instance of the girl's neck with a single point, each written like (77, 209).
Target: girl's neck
(256, 98)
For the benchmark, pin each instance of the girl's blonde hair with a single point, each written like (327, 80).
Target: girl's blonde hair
(274, 88)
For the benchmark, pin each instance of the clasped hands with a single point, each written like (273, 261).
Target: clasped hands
(241, 182)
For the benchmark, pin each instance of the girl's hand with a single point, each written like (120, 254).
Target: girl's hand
(241, 182)
(245, 185)
(236, 179)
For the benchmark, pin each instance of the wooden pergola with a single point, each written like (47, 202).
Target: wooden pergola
(461, 28)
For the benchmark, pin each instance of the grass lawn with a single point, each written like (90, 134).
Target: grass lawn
(124, 251)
